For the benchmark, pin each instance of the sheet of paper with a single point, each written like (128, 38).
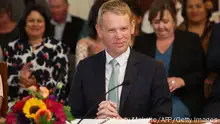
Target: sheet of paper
(112, 121)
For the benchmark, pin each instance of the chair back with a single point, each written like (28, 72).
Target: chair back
(4, 75)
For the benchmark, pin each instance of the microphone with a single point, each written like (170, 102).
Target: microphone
(125, 83)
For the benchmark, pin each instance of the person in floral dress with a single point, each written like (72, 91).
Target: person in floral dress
(35, 59)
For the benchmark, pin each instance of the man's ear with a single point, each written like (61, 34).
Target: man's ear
(98, 29)
(132, 26)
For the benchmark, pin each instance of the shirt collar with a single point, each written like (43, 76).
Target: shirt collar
(122, 59)
(68, 19)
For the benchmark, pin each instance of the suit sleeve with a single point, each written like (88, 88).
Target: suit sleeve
(76, 93)
(196, 75)
(161, 99)
(213, 56)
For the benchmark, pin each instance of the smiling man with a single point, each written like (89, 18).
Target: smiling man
(146, 93)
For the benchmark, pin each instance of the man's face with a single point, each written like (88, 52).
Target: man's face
(115, 32)
(58, 9)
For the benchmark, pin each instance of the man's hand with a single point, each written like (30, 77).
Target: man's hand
(107, 109)
(27, 82)
(175, 83)
(26, 78)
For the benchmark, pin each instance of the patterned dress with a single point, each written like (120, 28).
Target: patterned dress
(49, 64)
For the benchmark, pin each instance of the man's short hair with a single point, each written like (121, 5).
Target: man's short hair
(115, 6)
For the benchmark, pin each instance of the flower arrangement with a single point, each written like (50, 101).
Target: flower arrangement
(39, 107)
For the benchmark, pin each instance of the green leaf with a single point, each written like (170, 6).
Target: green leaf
(39, 95)
(30, 92)
(35, 94)
(67, 111)
(43, 119)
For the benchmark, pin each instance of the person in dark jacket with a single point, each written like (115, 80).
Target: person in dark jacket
(212, 110)
(182, 56)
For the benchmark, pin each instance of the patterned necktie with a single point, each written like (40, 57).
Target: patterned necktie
(113, 81)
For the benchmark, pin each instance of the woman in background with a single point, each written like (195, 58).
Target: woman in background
(146, 25)
(91, 44)
(182, 56)
(35, 58)
(8, 27)
(197, 14)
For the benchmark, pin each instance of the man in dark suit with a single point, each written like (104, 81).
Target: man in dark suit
(147, 94)
(65, 27)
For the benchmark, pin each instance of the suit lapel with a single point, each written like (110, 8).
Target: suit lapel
(66, 31)
(99, 75)
(174, 56)
(52, 30)
(151, 46)
(130, 76)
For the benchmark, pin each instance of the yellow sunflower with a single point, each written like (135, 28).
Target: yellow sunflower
(32, 106)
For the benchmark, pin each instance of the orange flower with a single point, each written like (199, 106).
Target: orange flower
(44, 92)
(43, 112)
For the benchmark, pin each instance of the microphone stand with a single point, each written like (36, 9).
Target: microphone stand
(123, 84)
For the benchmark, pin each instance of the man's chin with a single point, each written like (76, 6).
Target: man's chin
(122, 49)
(58, 20)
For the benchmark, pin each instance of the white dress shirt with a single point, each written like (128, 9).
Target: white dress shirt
(122, 60)
(59, 28)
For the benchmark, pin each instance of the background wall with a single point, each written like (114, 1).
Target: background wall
(80, 8)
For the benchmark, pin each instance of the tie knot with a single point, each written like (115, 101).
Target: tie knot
(113, 62)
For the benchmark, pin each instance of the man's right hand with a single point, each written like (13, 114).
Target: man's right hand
(107, 109)
(26, 78)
